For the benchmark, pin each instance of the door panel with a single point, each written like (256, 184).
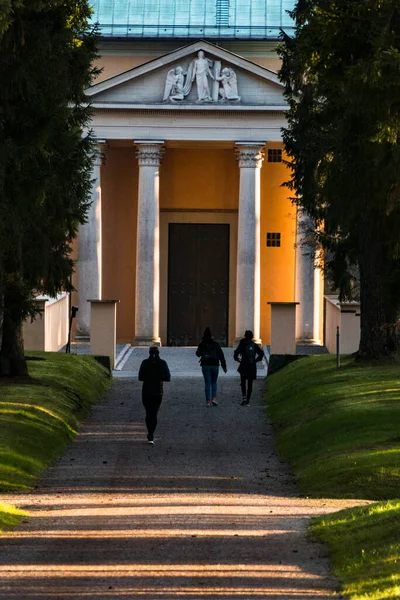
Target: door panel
(198, 282)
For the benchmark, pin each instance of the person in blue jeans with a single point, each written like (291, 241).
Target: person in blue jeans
(211, 356)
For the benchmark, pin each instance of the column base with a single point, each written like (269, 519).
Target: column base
(146, 341)
(82, 337)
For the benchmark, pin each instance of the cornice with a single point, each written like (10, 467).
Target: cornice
(191, 111)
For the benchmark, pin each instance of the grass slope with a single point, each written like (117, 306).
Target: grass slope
(365, 548)
(40, 415)
(10, 516)
(339, 428)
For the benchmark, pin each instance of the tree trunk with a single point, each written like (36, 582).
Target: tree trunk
(12, 359)
(379, 336)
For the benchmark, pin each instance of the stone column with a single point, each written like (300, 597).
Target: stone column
(250, 157)
(89, 251)
(308, 283)
(149, 155)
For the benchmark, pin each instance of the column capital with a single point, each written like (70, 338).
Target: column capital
(100, 146)
(249, 155)
(149, 152)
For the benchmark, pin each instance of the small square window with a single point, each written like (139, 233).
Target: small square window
(274, 155)
(273, 239)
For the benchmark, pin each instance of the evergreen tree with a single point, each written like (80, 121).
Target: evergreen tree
(342, 80)
(46, 55)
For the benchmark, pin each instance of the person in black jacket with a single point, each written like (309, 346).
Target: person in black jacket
(248, 353)
(153, 372)
(211, 356)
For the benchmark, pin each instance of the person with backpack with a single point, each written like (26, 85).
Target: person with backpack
(211, 356)
(153, 372)
(248, 353)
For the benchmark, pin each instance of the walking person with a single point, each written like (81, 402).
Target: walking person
(153, 372)
(248, 353)
(211, 356)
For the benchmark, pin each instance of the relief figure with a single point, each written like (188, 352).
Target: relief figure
(174, 85)
(228, 89)
(200, 70)
(178, 84)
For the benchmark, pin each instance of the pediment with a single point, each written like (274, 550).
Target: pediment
(198, 75)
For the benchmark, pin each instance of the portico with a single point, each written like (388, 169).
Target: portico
(188, 162)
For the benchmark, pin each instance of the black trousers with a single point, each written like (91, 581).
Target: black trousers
(151, 403)
(246, 393)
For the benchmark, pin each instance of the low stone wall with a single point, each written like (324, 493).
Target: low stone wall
(49, 331)
(346, 316)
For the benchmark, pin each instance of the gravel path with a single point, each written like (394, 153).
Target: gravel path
(208, 512)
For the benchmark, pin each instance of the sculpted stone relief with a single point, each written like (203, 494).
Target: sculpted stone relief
(212, 83)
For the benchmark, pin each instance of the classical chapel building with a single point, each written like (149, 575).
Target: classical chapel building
(190, 225)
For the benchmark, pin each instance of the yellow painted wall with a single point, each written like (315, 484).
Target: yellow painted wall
(119, 216)
(114, 65)
(199, 178)
(278, 215)
(273, 64)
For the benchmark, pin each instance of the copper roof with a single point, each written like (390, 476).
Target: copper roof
(241, 19)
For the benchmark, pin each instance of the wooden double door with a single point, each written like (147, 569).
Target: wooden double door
(198, 283)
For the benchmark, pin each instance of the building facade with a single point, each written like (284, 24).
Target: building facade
(190, 225)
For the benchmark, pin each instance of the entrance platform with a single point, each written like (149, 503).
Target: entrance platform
(182, 361)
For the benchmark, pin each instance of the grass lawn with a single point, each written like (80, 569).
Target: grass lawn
(40, 415)
(340, 430)
(369, 566)
(10, 516)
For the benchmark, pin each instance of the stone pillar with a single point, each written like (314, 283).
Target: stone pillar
(308, 283)
(250, 157)
(283, 327)
(104, 326)
(147, 315)
(89, 252)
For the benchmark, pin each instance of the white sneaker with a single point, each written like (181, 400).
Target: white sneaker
(214, 402)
